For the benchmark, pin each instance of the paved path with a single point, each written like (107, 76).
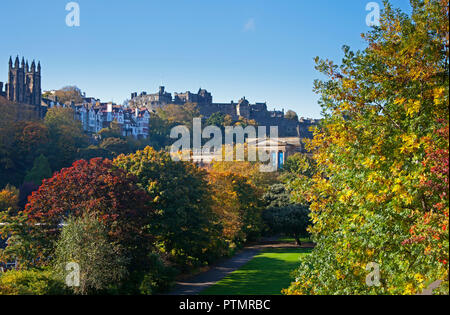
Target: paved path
(197, 284)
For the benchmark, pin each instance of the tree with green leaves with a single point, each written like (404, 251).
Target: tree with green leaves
(180, 194)
(85, 241)
(41, 170)
(26, 141)
(115, 147)
(377, 194)
(66, 137)
(220, 120)
(113, 131)
(284, 216)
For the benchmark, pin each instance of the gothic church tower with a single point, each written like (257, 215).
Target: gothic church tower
(24, 83)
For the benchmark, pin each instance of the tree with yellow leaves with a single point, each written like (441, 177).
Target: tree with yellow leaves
(379, 194)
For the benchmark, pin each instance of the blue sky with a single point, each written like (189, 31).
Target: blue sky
(261, 49)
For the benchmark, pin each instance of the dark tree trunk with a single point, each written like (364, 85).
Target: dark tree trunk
(297, 239)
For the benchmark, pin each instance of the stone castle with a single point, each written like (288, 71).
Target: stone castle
(24, 84)
(204, 101)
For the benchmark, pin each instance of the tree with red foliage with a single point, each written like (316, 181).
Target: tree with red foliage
(92, 188)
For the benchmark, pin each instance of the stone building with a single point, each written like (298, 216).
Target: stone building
(151, 101)
(24, 84)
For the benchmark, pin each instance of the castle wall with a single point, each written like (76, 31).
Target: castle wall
(203, 99)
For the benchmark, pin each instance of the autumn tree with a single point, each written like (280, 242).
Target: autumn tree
(69, 94)
(179, 114)
(66, 136)
(220, 120)
(245, 182)
(159, 132)
(249, 170)
(237, 206)
(96, 188)
(297, 175)
(26, 141)
(180, 196)
(113, 131)
(9, 198)
(115, 147)
(290, 114)
(376, 151)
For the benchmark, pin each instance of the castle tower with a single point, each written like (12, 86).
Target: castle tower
(243, 108)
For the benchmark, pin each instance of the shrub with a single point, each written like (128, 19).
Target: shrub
(30, 282)
(9, 198)
(85, 241)
(159, 279)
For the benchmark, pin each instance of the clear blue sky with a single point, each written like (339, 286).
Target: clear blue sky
(261, 49)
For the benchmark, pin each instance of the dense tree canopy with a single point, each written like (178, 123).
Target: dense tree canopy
(283, 216)
(237, 205)
(66, 136)
(23, 142)
(41, 170)
(377, 195)
(180, 196)
(96, 188)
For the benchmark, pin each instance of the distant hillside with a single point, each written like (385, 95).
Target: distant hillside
(10, 111)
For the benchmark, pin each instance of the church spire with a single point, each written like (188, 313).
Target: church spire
(39, 67)
(33, 66)
(10, 62)
(23, 62)
(16, 63)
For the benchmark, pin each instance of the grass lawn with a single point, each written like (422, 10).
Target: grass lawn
(288, 239)
(266, 274)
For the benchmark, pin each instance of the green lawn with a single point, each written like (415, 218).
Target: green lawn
(288, 239)
(266, 274)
